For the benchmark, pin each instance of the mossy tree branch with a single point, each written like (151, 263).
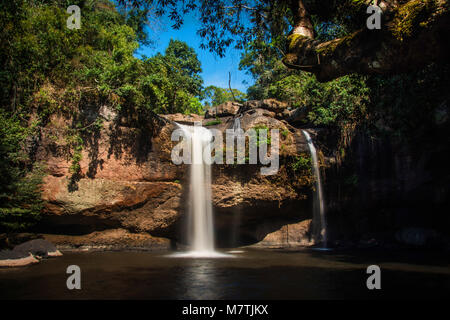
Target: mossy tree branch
(414, 33)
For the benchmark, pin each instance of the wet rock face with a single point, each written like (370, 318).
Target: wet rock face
(292, 234)
(226, 109)
(129, 189)
(389, 189)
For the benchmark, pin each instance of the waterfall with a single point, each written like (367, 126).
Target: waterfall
(237, 124)
(200, 217)
(319, 221)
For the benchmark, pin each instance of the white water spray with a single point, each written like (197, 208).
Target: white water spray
(319, 221)
(200, 217)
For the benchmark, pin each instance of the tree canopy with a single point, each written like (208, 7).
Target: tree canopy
(48, 69)
(412, 34)
(217, 95)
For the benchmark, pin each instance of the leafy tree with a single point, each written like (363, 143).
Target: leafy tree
(46, 68)
(185, 73)
(172, 81)
(351, 47)
(218, 95)
(20, 202)
(335, 103)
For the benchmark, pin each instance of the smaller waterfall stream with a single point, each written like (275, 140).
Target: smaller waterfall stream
(237, 124)
(319, 219)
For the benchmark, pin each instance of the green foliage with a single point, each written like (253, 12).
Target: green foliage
(337, 102)
(12, 137)
(410, 17)
(218, 95)
(25, 206)
(241, 23)
(194, 106)
(96, 63)
(20, 201)
(46, 68)
(76, 142)
(405, 105)
(301, 163)
(213, 123)
(260, 139)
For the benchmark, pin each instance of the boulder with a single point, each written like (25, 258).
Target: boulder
(298, 115)
(9, 258)
(292, 141)
(268, 104)
(294, 234)
(226, 109)
(38, 247)
(260, 113)
(12, 255)
(9, 241)
(285, 115)
(188, 119)
(28, 253)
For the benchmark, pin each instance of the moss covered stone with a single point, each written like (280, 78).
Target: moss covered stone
(412, 16)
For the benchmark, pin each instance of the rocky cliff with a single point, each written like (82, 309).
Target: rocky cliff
(128, 193)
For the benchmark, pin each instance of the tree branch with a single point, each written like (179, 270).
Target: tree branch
(414, 36)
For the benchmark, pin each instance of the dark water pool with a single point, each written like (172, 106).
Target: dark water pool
(252, 274)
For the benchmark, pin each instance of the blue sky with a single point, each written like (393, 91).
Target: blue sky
(215, 69)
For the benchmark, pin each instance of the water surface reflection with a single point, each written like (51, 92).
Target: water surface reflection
(253, 274)
(200, 280)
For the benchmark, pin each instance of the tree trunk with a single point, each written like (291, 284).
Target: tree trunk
(303, 25)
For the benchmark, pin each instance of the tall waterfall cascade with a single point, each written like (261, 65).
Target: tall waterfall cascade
(200, 226)
(319, 219)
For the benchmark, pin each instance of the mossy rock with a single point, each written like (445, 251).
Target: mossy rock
(412, 16)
